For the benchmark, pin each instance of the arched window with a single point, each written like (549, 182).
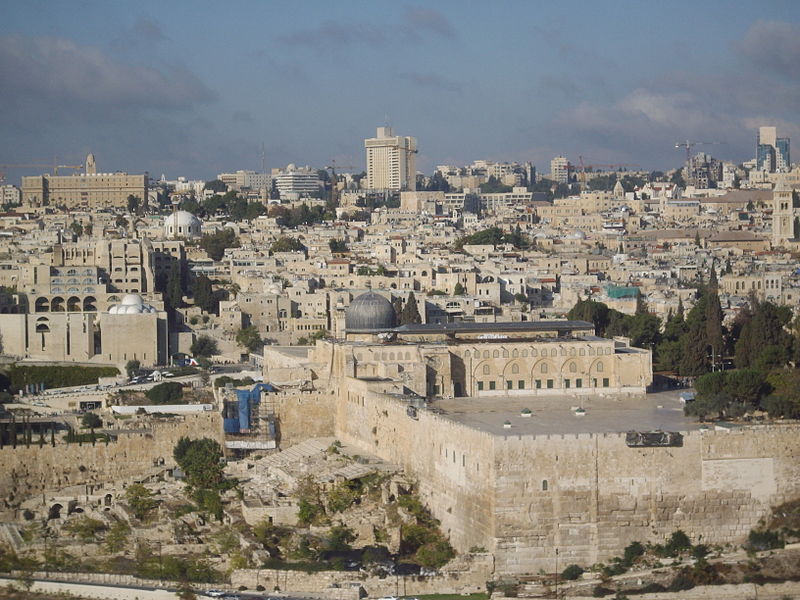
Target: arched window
(600, 367)
(496, 354)
(467, 354)
(573, 368)
(544, 368)
(485, 369)
(514, 353)
(544, 485)
(515, 369)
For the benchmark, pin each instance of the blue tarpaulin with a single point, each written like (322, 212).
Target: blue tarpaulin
(246, 399)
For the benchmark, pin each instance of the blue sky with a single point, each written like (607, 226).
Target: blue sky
(195, 88)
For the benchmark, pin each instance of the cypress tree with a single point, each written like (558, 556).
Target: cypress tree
(714, 321)
(410, 314)
(173, 292)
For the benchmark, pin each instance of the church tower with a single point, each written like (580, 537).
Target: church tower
(784, 215)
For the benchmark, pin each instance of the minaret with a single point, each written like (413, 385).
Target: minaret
(91, 165)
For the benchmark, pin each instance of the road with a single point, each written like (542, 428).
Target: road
(121, 592)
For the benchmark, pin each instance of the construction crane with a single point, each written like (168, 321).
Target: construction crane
(334, 181)
(689, 144)
(36, 166)
(595, 165)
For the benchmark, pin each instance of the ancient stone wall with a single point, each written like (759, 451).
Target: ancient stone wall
(453, 464)
(31, 471)
(591, 495)
(587, 495)
(467, 575)
(301, 415)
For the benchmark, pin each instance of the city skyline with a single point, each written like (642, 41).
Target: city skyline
(187, 90)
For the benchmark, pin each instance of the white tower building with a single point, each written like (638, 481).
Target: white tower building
(391, 161)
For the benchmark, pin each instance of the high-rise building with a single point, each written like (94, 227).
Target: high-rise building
(391, 161)
(772, 152)
(559, 169)
(296, 182)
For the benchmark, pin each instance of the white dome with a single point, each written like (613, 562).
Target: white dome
(131, 304)
(182, 224)
(132, 300)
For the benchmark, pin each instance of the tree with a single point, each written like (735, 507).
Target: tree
(201, 460)
(132, 367)
(458, 290)
(133, 203)
(249, 338)
(140, 500)
(169, 392)
(173, 292)
(410, 314)
(216, 243)
(91, 420)
(204, 346)
(338, 246)
(287, 244)
(204, 296)
(76, 228)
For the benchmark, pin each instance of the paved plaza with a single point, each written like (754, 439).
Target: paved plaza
(556, 414)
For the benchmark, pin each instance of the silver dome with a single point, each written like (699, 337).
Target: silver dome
(370, 312)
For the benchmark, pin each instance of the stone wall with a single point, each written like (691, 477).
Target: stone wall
(28, 472)
(587, 495)
(466, 575)
(301, 415)
(454, 465)
(591, 495)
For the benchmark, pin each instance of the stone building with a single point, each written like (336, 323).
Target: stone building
(482, 359)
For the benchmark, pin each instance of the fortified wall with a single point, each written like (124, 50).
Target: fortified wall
(31, 471)
(587, 495)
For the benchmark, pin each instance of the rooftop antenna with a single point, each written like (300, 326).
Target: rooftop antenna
(263, 159)
(386, 120)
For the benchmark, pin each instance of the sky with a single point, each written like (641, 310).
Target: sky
(196, 88)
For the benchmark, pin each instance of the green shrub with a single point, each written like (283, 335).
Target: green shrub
(680, 583)
(572, 572)
(169, 392)
(632, 551)
(56, 377)
(764, 540)
(678, 542)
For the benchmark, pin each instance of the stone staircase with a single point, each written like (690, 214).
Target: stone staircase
(9, 534)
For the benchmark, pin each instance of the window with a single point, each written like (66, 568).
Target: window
(573, 368)
(605, 381)
(492, 385)
(579, 383)
(544, 485)
(549, 384)
(599, 367)
(480, 386)
(515, 369)
(538, 384)
(521, 384)
(509, 384)
(486, 369)
(566, 383)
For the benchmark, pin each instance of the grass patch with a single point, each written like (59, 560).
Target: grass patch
(478, 596)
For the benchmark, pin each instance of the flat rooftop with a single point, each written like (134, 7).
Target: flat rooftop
(554, 415)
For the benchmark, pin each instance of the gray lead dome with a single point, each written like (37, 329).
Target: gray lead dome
(370, 312)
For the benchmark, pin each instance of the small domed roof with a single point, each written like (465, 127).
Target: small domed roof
(182, 217)
(131, 304)
(370, 312)
(132, 300)
(183, 224)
